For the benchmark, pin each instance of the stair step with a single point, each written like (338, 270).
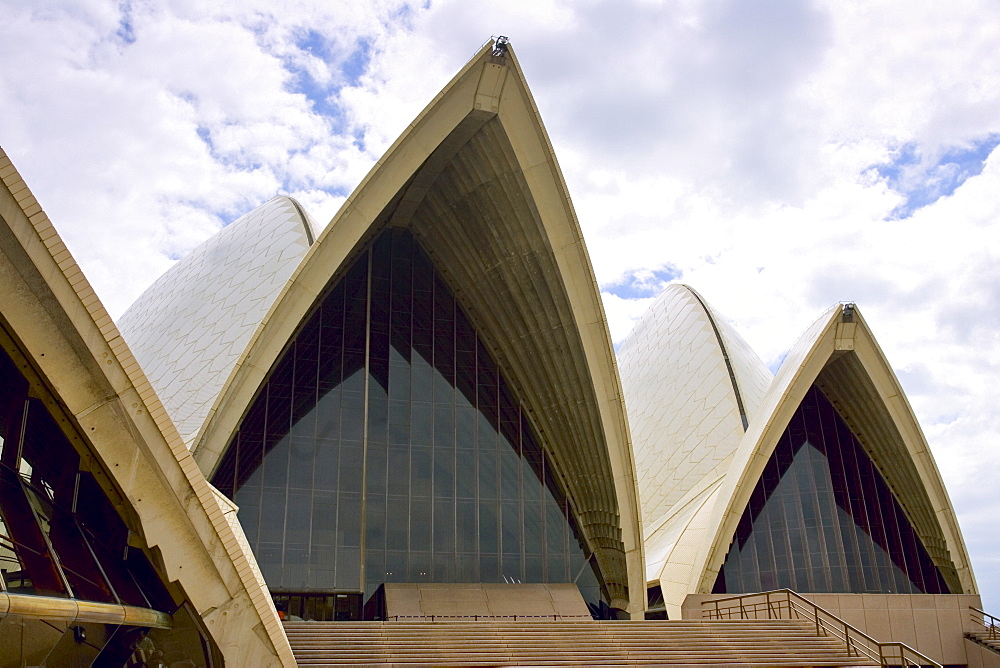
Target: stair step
(414, 643)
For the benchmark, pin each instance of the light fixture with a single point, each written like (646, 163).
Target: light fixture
(500, 46)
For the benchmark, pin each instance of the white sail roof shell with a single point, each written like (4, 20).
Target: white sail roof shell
(880, 417)
(688, 379)
(697, 466)
(190, 327)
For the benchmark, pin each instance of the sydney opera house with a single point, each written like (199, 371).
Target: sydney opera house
(416, 412)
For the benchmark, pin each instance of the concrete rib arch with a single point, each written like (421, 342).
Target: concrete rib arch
(839, 354)
(475, 179)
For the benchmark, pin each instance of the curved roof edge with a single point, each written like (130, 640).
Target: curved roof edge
(487, 90)
(308, 222)
(80, 353)
(714, 321)
(692, 386)
(683, 367)
(690, 531)
(841, 337)
(751, 377)
(191, 325)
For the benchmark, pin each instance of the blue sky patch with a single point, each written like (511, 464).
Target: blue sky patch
(642, 283)
(359, 140)
(357, 63)
(315, 44)
(776, 364)
(405, 15)
(322, 97)
(205, 135)
(126, 29)
(923, 181)
(350, 67)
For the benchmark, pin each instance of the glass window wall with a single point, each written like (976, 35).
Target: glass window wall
(822, 519)
(386, 446)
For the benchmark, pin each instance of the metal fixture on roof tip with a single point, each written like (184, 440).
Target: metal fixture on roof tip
(500, 46)
(848, 312)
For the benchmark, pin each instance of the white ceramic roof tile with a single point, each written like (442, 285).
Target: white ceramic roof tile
(190, 327)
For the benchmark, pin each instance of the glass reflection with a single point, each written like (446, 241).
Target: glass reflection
(387, 437)
(60, 536)
(822, 519)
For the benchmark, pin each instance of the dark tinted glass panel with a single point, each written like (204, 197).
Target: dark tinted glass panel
(403, 450)
(59, 533)
(822, 519)
(29, 567)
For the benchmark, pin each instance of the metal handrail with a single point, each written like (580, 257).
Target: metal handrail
(477, 618)
(987, 621)
(786, 602)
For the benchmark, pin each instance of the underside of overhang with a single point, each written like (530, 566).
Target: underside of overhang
(481, 226)
(847, 385)
(472, 211)
(839, 355)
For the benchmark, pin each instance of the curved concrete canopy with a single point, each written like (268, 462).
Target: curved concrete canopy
(97, 391)
(839, 354)
(475, 179)
(188, 329)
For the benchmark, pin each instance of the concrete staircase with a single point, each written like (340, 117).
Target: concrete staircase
(522, 643)
(989, 639)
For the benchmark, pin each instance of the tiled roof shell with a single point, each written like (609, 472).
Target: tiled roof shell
(190, 327)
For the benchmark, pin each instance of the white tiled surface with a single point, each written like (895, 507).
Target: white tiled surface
(189, 328)
(662, 539)
(682, 409)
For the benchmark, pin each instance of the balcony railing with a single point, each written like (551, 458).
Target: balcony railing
(988, 622)
(786, 604)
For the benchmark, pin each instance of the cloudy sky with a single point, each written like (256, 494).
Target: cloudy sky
(779, 156)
